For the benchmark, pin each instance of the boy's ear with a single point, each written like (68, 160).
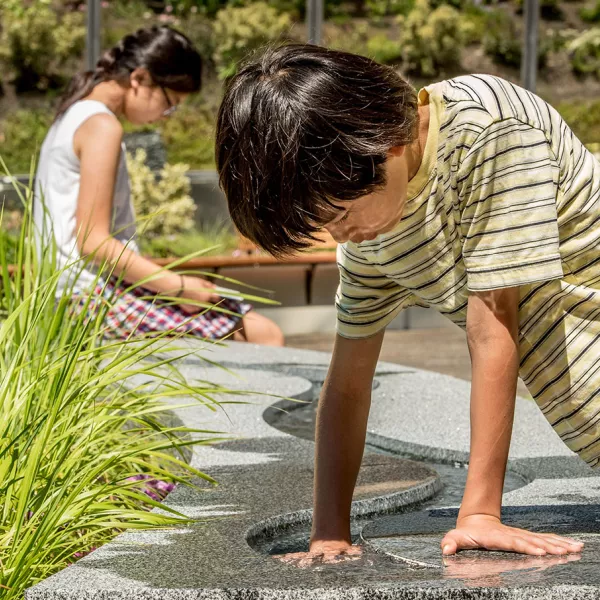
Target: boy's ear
(396, 151)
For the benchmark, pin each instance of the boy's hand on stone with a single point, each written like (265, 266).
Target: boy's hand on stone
(488, 533)
(323, 552)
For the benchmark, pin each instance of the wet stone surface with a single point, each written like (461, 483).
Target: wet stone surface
(402, 508)
(415, 538)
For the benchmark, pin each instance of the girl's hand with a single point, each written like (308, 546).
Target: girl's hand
(198, 290)
(488, 533)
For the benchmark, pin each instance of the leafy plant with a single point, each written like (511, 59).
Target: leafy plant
(432, 40)
(38, 44)
(591, 13)
(550, 10)
(583, 117)
(83, 421)
(351, 36)
(383, 8)
(189, 136)
(211, 240)
(162, 202)
(501, 40)
(383, 50)
(21, 135)
(240, 30)
(474, 24)
(584, 51)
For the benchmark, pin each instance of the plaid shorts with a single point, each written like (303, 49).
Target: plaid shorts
(135, 313)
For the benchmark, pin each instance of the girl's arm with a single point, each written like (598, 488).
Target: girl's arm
(492, 334)
(97, 143)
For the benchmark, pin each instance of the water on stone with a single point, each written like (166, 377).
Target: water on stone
(407, 545)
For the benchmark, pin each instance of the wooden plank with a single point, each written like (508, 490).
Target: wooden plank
(251, 260)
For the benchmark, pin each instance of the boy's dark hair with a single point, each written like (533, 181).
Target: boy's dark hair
(300, 128)
(167, 54)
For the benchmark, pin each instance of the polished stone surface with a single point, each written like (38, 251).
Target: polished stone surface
(262, 504)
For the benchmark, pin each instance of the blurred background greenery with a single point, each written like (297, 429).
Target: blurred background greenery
(42, 44)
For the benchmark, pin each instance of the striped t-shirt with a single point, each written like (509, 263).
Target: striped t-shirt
(505, 196)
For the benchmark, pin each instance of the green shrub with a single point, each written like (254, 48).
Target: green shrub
(189, 137)
(351, 36)
(384, 8)
(557, 40)
(591, 13)
(583, 117)
(458, 4)
(208, 8)
(212, 241)
(163, 204)
(199, 29)
(21, 135)
(549, 9)
(431, 40)
(584, 51)
(501, 40)
(239, 30)
(594, 148)
(39, 45)
(474, 24)
(383, 50)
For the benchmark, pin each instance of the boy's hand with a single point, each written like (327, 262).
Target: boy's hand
(487, 532)
(323, 551)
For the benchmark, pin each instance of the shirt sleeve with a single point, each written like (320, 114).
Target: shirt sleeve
(366, 300)
(508, 189)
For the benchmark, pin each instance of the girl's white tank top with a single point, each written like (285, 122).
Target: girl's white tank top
(57, 189)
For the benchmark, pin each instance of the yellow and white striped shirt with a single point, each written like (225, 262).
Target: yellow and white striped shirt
(505, 196)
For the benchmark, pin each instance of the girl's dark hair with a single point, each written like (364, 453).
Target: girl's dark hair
(300, 128)
(168, 55)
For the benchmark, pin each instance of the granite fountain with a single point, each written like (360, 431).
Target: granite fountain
(406, 498)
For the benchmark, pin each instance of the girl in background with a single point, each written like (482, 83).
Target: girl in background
(83, 194)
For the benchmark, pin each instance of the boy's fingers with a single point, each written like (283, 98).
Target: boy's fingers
(524, 546)
(551, 544)
(449, 547)
(565, 540)
(305, 559)
(350, 553)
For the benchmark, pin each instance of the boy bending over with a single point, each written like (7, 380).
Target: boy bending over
(472, 197)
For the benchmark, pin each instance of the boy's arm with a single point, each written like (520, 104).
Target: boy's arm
(340, 438)
(492, 334)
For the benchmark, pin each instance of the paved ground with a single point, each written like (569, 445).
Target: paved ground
(265, 490)
(443, 350)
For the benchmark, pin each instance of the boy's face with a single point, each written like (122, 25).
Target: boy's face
(377, 213)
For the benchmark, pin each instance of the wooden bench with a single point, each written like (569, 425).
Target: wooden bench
(243, 268)
(251, 259)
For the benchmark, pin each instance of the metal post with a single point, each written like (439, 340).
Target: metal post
(315, 10)
(92, 49)
(529, 59)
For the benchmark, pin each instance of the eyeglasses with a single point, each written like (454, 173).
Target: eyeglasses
(171, 107)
